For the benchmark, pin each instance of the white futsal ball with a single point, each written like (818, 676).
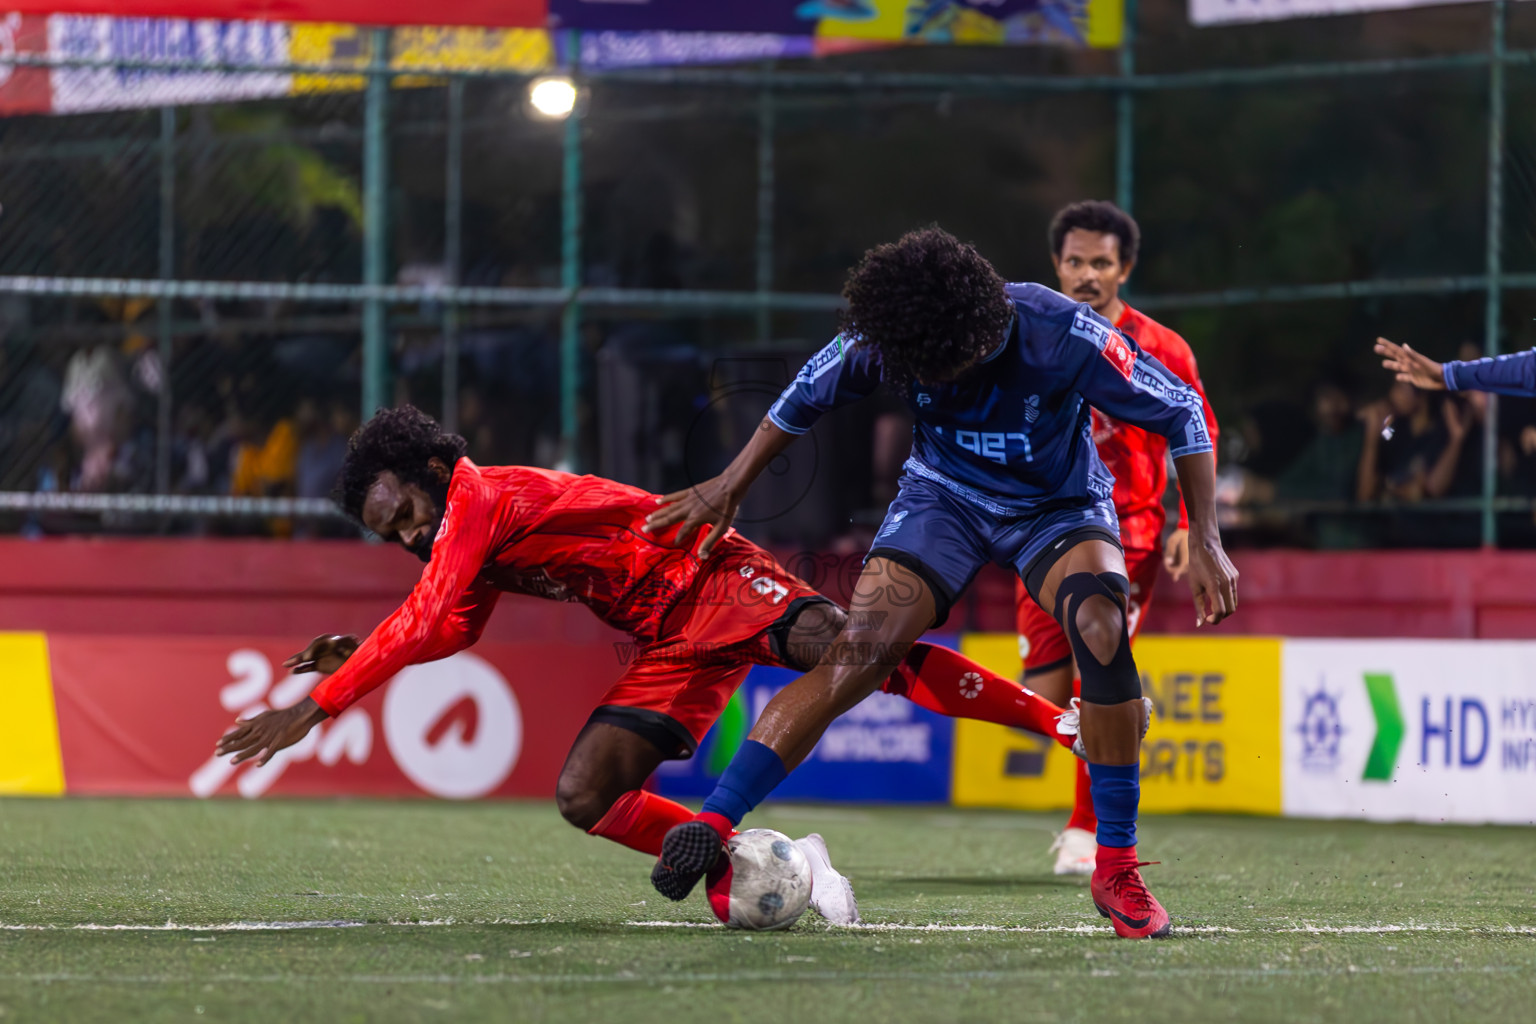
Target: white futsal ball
(770, 880)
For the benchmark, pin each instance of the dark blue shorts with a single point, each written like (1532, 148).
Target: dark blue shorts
(946, 539)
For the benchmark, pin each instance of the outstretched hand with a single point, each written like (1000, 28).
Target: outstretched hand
(1212, 582)
(1409, 366)
(325, 654)
(713, 503)
(270, 731)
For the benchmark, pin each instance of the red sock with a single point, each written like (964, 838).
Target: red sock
(1082, 800)
(639, 820)
(945, 681)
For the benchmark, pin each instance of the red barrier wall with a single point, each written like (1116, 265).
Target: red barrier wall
(267, 588)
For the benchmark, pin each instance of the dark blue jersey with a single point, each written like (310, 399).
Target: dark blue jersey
(1012, 435)
(1504, 375)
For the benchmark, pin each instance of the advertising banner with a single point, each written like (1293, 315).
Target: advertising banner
(885, 750)
(1220, 12)
(1069, 22)
(1213, 745)
(141, 715)
(30, 763)
(493, 13)
(1410, 730)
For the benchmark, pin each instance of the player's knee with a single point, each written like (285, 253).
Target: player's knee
(579, 803)
(1091, 609)
(1100, 624)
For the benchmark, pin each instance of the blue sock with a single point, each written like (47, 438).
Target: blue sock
(748, 779)
(1116, 790)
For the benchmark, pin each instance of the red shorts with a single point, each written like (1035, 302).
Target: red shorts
(736, 615)
(1043, 644)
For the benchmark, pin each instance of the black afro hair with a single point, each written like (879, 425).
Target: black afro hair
(928, 303)
(400, 441)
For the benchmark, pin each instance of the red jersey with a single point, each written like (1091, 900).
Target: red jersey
(1137, 458)
(529, 531)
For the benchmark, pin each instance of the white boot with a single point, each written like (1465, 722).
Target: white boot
(831, 893)
(1069, 723)
(1076, 852)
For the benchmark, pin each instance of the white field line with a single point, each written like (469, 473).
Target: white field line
(1094, 929)
(1077, 929)
(651, 978)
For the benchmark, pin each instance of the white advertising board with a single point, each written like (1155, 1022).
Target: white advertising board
(1409, 730)
(1221, 12)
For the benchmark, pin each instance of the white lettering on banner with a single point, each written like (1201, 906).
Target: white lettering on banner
(78, 89)
(1409, 730)
(453, 726)
(880, 728)
(884, 743)
(249, 694)
(1220, 12)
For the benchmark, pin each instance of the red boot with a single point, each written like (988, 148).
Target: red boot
(1120, 895)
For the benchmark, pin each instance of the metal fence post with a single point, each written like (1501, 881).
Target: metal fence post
(570, 272)
(765, 186)
(453, 243)
(1494, 263)
(375, 226)
(163, 306)
(1125, 114)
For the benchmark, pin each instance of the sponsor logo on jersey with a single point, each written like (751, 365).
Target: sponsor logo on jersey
(1107, 340)
(1031, 408)
(822, 361)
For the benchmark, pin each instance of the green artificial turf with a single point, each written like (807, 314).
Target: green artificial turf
(503, 912)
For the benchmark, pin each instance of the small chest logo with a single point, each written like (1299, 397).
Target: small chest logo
(924, 398)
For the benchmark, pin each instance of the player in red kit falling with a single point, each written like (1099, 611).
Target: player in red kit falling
(699, 624)
(1094, 246)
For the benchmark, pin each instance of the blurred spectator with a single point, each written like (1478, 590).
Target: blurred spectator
(322, 446)
(1328, 467)
(265, 468)
(1406, 449)
(96, 399)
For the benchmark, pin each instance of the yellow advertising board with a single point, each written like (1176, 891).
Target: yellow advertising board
(426, 47)
(1214, 743)
(30, 762)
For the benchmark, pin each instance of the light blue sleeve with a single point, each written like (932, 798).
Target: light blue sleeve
(839, 374)
(1119, 379)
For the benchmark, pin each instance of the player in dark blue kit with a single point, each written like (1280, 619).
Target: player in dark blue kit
(1513, 375)
(1003, 469)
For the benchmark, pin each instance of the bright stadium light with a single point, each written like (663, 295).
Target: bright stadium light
(553, 98)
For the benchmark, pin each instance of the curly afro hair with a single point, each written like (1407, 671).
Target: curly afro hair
(929, 304)
(1100, 216)
(400, 441)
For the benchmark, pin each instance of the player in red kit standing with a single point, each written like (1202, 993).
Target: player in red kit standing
(1094, 246)
(700, 624)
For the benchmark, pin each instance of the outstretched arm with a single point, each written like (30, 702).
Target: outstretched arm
(1513, 375)
(715, 501)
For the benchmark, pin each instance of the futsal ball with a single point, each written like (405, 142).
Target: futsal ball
(770, 880)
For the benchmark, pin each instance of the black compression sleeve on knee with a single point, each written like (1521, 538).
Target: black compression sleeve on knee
(1117, 681)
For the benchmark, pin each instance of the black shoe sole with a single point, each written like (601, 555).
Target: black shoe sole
(687, 853)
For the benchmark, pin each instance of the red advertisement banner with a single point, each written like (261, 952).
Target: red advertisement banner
(23, 90)
(140, 716)
(487, 13)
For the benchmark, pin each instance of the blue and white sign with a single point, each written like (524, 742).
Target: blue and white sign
(1409, 730)
(886, 749)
